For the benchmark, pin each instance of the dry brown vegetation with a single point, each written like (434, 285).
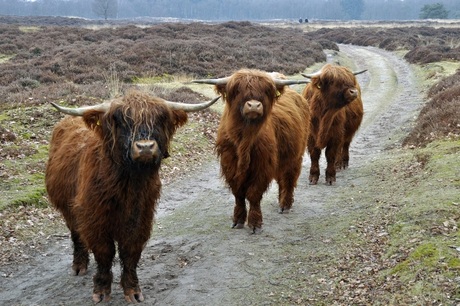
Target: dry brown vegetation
(61, 62)
(425, 44)
(440, 117)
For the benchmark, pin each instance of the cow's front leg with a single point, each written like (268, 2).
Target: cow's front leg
(104, 252)
(129, 257)
(80, 254)
(255, 219)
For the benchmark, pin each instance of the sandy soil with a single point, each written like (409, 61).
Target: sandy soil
(195, 258)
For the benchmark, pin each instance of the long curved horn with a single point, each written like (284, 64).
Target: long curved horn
(220, 81)
(359, 72)
(191, 107)
(79, 111)
(310, 75)
(281, 82)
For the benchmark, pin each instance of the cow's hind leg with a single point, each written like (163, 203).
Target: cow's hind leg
(287, 184)
(331, 156)
(345, 156)
(80, 255)
(315, 154)
(129, 257)
(239, 212)
(104, 252)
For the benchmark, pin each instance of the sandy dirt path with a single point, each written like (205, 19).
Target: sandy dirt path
(195, 258)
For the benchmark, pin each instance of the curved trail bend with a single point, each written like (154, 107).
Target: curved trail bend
(195, 258)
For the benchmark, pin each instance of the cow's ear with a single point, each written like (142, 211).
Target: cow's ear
(93, 120)
(318, 82)
(221, 90)
(179, 118)
(279, 90)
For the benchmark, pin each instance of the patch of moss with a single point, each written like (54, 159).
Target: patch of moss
(454, 263)
(35, 197)
(429, 256)
(4, 117)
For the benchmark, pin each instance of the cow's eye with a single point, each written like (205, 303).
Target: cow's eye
(121, 121)
(117, 119)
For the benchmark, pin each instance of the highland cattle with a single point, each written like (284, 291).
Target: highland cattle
(261, 137)
(336, 110)
(103, 176)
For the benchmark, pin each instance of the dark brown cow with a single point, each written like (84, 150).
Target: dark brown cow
(102, 175)
(262, 136)
(336, 110)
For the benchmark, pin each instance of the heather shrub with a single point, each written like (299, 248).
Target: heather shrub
(27, 82)
(88, 77)
(54, 54)
(425, 44)
(327, 44)
(48, 77)
(8, 48)
(424, 54)
(440, 117)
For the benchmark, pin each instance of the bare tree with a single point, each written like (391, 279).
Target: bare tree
(105, 8)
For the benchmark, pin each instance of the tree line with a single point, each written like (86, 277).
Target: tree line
(220, 10)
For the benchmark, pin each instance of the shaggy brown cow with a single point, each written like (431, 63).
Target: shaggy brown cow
(336, 110)
(262, 136)
(102, 175)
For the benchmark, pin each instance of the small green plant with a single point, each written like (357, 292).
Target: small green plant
(35, 198)
(28, 82)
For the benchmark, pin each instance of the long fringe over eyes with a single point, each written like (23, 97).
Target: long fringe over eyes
(137, 110)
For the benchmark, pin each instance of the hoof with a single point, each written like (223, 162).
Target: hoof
(257, 230)
(238, 225)
(79, 270)
(284, 210)
(99, 297)
(134, 297)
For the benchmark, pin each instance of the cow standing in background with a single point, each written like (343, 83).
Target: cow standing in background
(262, 136)
(102, 175)
(336, 110)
